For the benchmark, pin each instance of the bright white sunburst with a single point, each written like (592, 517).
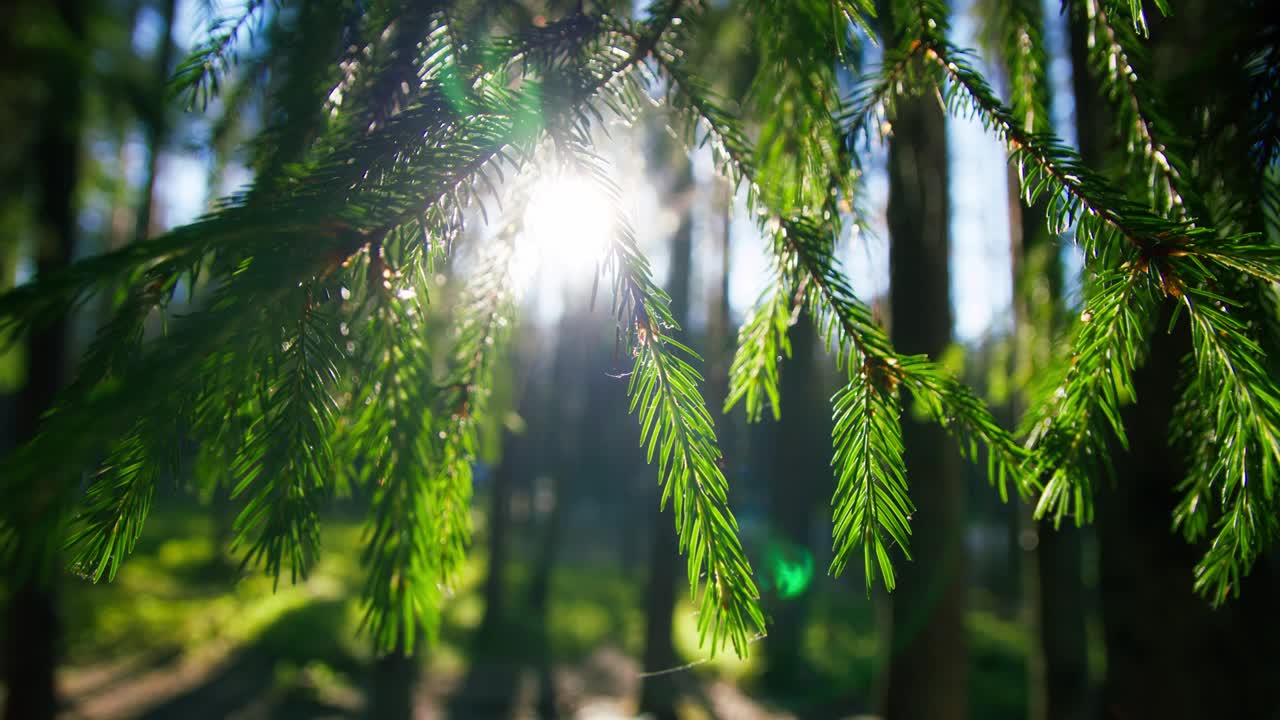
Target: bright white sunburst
(568, 225)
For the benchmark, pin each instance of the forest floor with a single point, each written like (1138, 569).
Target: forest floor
(604, 687)
(181, 633)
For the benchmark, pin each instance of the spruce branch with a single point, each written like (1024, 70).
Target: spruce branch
(1113, 51)
(1175, 260)
(1068, 428)
(1137, 14)
(365, 186)
(762, 342)
(871, 102)
(1015, 32)
(283, 470)
(804, 247)
(871, 505)
(1244, 429)
(677, 431)
(200, 76)
(414, 438)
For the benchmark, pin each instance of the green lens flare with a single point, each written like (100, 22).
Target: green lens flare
(790, 566)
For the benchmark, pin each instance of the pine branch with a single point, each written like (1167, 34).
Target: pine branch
(871, 506)
(872, 100)
(1075, 194)
(796, 99)
(677, 430)
(329, 212)
(1111, 50)
(1244, 429)
(1138, 15)
(805, 247)
(415, 440)
(284, 468)
(1014, 31)
(392, 443)
(201, 74)
(1068, 429)
(117, 502)
(365, 185)
(762, 341)
(1067, 440)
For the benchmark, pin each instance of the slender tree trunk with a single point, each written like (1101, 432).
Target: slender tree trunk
(658, 694)
(799, 463)
(499, 526)
(1063, 603)
(544, 565)
(570, 424)
(567, 419)
(395, 680)
(928, 676)
(32, 623)
(157, 126)
(1050, 561)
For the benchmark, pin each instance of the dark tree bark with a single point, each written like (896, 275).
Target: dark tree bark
(395, 681)
(569, 423)
(1169, 653)
(1050, 562)
(800, 461)
(1062, 603)
(928, 677)
(156, 124)
(658, 694)
(32, 623)
(560, 432)
(499, 526)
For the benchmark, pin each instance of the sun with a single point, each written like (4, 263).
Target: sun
(567, 227)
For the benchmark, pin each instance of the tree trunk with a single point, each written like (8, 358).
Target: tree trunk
(799, 463)
(1062, 604)
(1050, 561)
(567, 424)
(1169, 654)
(33, 629)
(928, 667)
(157, 125)
(395, 680)
(499, 526)
(658, 694)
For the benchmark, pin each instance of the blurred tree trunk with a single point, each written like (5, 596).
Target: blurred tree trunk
(1050, 561)
(1061, 605)
(799, 462)
(928, 666)
(514, 455)
(156, 123)
(32, 624)
(720, 331)
(518, 461)
(395, 681)
(658, 694)
(567, 424)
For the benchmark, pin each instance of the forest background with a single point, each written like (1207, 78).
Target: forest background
(569, 602)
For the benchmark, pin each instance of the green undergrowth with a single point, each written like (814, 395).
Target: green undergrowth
(180, 596)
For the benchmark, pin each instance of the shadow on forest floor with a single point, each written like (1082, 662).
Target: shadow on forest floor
(181, 634)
